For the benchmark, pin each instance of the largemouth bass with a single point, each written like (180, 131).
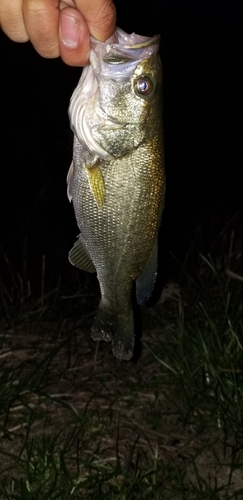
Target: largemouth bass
(117, 181)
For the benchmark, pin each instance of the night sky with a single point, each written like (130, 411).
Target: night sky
(202, 55)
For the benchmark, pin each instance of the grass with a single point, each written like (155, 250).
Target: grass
(77, 423)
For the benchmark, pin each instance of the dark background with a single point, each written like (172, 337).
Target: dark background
(202, 55)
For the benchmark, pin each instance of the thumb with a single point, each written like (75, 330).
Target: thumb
(74, 37)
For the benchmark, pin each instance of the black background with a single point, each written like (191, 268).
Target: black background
(202, 55)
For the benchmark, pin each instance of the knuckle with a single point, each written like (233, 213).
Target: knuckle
(107, 15)
(42, 26)
(12, 22)
(46, 47)
(35, 6)
(103, 19)
(19, 37)
(15, 33)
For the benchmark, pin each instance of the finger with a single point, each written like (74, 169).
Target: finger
(12, 21)
(96, 17)
(74, 37)
(41, 19)
(100, 16)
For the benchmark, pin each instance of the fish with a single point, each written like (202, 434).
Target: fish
(116, 181)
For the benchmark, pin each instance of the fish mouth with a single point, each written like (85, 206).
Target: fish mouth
(126, 40)
(122, 49)
(129, 42)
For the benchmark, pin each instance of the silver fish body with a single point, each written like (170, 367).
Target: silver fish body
(117, 181)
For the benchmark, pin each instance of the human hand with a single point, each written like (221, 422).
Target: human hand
(57, 27)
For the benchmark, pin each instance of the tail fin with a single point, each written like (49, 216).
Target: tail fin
(123, 340)
(115, 327)
(104, 324)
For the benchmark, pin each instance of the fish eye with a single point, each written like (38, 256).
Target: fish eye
(143, 86)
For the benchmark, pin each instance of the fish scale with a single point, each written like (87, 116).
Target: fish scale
(124, 189)
(118, 200)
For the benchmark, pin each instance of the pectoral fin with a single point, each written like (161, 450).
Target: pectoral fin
(96, 181)
(79, 256)
(146, 280)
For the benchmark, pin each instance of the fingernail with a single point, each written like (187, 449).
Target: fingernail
(69, 31)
